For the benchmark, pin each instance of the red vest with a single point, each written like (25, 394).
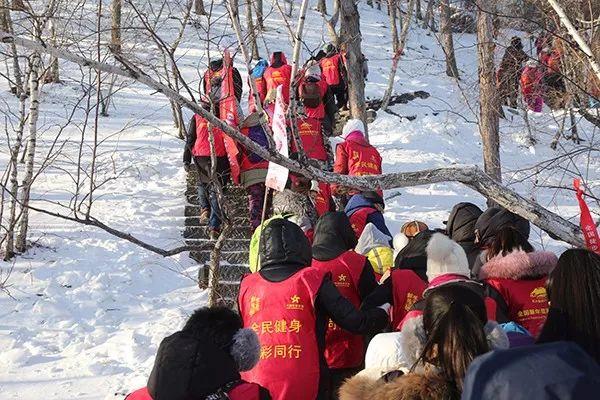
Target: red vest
(358, 219)
(362, 159)
(261, 88)
(330, 66)
(323, 199)
(342, 348)
(317, 112)
(202, 145)
(407, 289)
(241, 391)
(279, 76)
(526, 299)
(310, 133)
(283, 316)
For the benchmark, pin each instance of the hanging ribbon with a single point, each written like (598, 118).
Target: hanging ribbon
(590, 232)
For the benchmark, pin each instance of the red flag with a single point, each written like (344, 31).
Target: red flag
(228, 110)
(590, 232)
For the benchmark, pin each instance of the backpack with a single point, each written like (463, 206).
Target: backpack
(257, 134)
(310, 94)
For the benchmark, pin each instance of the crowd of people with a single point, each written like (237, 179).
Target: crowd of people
(540, 77)
(344, 311)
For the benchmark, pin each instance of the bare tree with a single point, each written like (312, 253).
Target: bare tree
(53, 74)
(251, 30)
(397, 54)
(429, 21)
(447, 40)
(6, 23)
(260, 23)
(351, 37)
(489, 116)
(418, 13)
(115, 27)
(393, 14)
(322, 6)
(199, 7)
(332, 22)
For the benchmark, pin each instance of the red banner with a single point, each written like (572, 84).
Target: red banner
(590, 232)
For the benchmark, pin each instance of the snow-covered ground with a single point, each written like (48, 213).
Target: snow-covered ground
(88, 310)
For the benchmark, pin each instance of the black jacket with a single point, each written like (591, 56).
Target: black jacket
(333, 237)
(203, 163)
(494, 219)
(460, 227)
(187, 367)
(285, 251)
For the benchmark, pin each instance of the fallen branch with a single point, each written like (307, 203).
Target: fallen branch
(470, 176)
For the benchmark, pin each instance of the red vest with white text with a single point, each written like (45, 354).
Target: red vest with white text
(358, 219)
(342, 348)
(283, 315)
(407, 289)
(363, 159)
(202, 145)
(279, 76)
(310, 133)
(330, 66)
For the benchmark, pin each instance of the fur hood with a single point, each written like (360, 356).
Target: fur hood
(411, 386)
(519, 265)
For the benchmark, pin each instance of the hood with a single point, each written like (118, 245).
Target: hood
(284, 245)
(519, 265)
(428, 386)
(357, 137)
(371, 238)
(445, 256)
(400, 242)
(186, 367)
(278, 59)
(333, 236)
(216, 65)
(357, 202)
(494, 219)
(259, 69)
(560, 370)
(383, 356)
(353, 126)
(460, 226)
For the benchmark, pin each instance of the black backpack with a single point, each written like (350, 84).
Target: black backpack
(310, 94)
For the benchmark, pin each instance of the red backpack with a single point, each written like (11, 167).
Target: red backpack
(310, 94)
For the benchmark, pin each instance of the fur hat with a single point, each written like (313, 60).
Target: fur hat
(445, 256)
(353, 125)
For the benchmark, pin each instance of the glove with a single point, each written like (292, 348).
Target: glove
(386, 307)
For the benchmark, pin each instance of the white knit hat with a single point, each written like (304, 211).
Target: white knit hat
(351, 126)
(445, 256)
(314, 71)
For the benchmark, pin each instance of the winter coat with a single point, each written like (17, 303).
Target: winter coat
(356, 157)
(359, 202)
(520, 278)
(510, 69)
(203, 163)
(555, 371)
(285, 251)
(460, 227)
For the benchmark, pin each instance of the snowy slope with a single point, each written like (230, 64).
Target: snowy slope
(89, 310)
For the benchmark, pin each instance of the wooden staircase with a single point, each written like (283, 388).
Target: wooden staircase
(234, 254)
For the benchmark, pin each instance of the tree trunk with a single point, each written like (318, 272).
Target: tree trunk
(53, 75)
(18, 5)
(115, 30)
(13, 189)
(447, 39)
(6, 25)
(403, 37)
(251, 31)
(322, 6)
(418, 14)
(393, 14)
(260, 23)
(429, 21)
(332, 22)
(351, 36)
(199, 7)
(489, 115)
(34, 91)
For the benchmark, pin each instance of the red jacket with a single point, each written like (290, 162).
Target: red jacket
(531, 82)
(521, 279)
(356, 157)
(311, 135)
(342, 348)
(283, 315)
(202, 145)
(279, 76)
(330, 66)
(407, 289)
